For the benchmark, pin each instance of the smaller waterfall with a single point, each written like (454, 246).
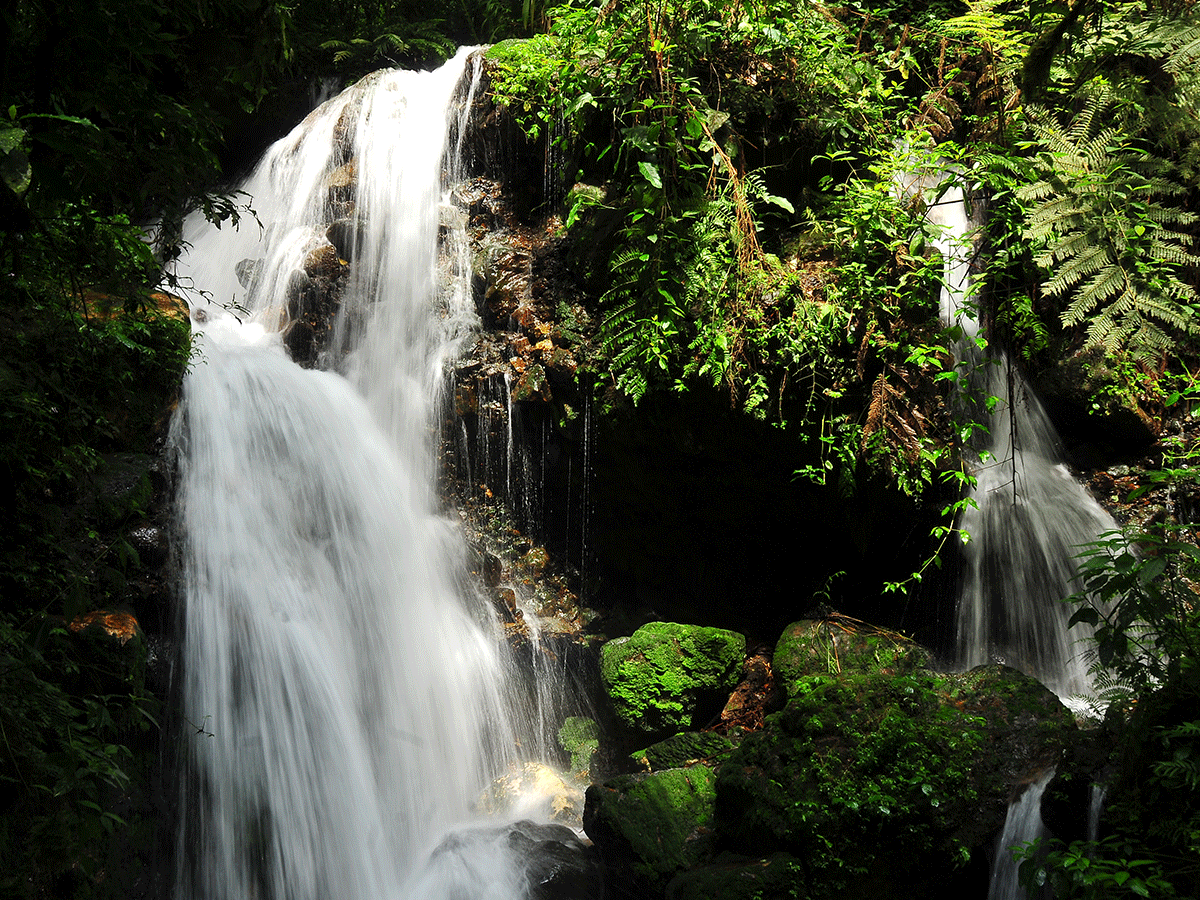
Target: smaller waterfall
(1023, 824)
(1095, 807)
(1030, 518)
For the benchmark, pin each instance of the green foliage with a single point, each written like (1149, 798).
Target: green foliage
(1108, 233)
(1091, 871)
(854, 766)
(419, 40)
(1138, 599)
(1138, 594)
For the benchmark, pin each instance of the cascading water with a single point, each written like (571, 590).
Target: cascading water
(343, 689)
(1030, 518)
(1022, 825)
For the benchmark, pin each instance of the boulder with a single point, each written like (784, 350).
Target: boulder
(536, 791)
(889, 784)
(649, 828)
(778, 877)
(835, 644)
(684, 749)
(556, 864)
(667, 677)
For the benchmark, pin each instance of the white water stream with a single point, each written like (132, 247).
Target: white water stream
(1022, 825)
(345, 692)
(1030, 519)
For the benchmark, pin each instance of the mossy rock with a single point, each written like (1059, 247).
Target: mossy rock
(580, 738)
(889, 784)
(1026, 725)
(666, 676)
(837, 644)
(778, 877)
(649, 828)
(684, 749)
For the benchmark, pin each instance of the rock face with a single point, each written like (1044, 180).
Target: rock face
(668, 677)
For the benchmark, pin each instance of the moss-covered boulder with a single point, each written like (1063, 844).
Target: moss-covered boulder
(835, 644)
(889, 784)
(683, 749)
(1025, 726)
(668, 677)
(778, 877)
(649, 828)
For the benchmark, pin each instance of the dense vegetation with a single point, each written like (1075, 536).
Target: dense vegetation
(737, 163)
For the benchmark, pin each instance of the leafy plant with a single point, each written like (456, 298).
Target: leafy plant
(1114, 245)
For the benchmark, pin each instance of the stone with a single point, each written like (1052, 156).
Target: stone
(248, 272)
(534, 791)
(580, 739)
(836, 644)
(342, 182)
(556, 864)
(890, 784)
(323, 259)
(649, 828)
(345, 235)
(666, 676)
(684, 749)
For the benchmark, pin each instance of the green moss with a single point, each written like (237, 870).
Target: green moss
(659, 677)
(779, 877)
(684, 749)
(838, 644)
(579, 737)
(858, 774)
(655, 825)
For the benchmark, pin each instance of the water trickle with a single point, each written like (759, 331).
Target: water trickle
(1030, 517)
(1095, 807)
(1022, 824)
(345, 693)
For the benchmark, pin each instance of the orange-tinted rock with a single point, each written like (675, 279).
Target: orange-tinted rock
(120, 626)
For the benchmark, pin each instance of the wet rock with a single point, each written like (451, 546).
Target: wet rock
(342, 182)
(346, 235)
(536, 791)
(557, 865)
(668, 677)
(322, 260)
(580, 739)
(300, 339)
(299, 293)
(757, 694)
(649, 828)
(531, 384)
(248, 272)
(152, 544)
(1083, 396)
(905, 777)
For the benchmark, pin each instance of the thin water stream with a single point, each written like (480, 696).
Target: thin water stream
(1029, 517)
(345, 691)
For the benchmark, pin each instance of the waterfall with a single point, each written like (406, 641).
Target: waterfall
(343, 689)
(1029, 518)
(1022, 825)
